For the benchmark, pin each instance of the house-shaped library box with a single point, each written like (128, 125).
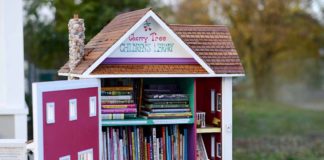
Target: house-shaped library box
(140, 89)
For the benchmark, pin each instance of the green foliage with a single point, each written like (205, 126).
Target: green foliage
(272, 131)
(46, 41)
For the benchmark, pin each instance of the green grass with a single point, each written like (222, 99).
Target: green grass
(273, 131)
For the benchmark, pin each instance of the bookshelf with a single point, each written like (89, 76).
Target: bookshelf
(199, 98)
(209, 130)
(144, 60)
(141, 89)
(143, 121)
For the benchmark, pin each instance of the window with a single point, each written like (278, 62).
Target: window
(212, 98)
(73, 109)
(85, 155)
(219, 150)
(219, 102)
(92, 106)
(50, 113)
(68, 157)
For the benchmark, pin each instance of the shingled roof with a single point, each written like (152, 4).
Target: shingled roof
(212, 43)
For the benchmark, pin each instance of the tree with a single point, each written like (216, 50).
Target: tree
(46, 41)
(278, 41)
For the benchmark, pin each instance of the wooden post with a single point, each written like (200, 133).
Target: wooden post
(13, 110)
(227, 118)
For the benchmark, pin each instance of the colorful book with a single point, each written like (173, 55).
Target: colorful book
(107, 106)
(115, 93)
(124, 97)
(166, 115)
(117, 88)
(119, 110)
(164, 110)
(167, 100)
(108, 102)
(111, 116)
(156, 106)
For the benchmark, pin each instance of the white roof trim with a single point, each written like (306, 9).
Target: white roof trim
(132, 30)
(149, 75)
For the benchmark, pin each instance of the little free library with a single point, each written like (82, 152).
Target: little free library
(141, 89)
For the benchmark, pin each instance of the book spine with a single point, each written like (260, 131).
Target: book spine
(141, 143)
(133, 145)
(145, 148)
(185, 132)
(111, 102)
(108, 143)
(124, 144)
(121, 88)
(154, 143)
(163, 143)
(138, 144)
(115, 93)
(157, 149)
(115, 146)
(119, 110)
(120, 149)
(104, 146)
(125, 97)
(151, 148)
(107, 106)
(130, 143)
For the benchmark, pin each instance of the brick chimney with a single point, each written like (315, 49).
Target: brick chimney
(76, 41)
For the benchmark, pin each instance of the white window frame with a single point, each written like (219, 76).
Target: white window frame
(50, 112)
(73, 109)
(82, 153)
(67, 157)
(92, 106)
(219, 102)
(212, 100)
(219, 150)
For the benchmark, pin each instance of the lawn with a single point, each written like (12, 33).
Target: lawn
(274, 131)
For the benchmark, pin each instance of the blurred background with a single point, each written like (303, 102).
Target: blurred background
(279, 104)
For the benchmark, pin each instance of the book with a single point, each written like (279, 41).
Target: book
(153, 106)
(201, 150)
(111, 116)
(119, 110)
(118, 106)
(123, 97)
(116, 93)
(144, 142)
(120, 101)
(167, 115)
(117, 88)
(175, 110)
(152, 100)
(166, 96)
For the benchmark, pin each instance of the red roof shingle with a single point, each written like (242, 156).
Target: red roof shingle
(212, 43)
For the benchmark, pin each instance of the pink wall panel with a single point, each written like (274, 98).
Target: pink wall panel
(66, 137)
(203, 87)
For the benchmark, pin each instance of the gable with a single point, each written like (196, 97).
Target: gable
(207, 49)
(150, 44)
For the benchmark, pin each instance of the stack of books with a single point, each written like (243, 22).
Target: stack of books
(165, 101)
(145, 143)
(118, 103)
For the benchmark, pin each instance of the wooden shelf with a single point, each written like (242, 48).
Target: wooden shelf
(143, 121)
(209, 129)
